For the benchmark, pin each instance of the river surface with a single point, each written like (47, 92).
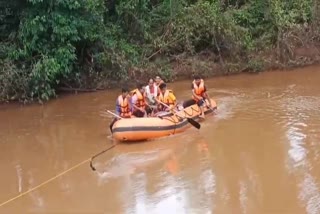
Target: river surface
(259, 154)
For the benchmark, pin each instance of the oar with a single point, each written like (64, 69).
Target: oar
(114, 114)
(190, 120)
(114, 120)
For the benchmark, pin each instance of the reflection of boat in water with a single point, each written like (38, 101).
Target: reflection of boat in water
(138, 129)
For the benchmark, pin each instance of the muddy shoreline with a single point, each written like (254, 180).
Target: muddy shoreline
(112, 86)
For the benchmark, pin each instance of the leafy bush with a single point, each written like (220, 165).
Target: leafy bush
(48, 44)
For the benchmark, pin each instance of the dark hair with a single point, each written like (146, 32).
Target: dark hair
(162, 86)
(196, 77)
(140, 85)
(125, 89)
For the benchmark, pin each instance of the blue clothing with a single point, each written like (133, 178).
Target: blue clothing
(118, 109)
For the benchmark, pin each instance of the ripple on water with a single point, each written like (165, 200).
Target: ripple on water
(305, 103)
(300, 120)
(309, 194)
(297, 152)
(294, 122)
(227, 106)
(127, 164)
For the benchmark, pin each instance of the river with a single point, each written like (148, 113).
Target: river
(259, 154)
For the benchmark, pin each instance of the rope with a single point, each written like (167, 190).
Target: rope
(77, 165)
(192, 110)
(44, 183)
(172, 121)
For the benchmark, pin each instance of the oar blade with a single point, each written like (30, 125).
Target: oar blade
(194, 123)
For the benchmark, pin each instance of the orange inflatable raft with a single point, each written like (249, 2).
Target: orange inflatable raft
(145, 128)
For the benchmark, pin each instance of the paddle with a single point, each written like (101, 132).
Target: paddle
(114, 120)
(190, 120)
(114, 114)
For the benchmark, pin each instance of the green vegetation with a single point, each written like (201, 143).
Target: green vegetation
(86, 44)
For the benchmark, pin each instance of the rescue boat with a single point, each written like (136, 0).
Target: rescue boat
(147, 128)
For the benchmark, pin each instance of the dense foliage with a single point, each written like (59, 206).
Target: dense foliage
(47, 44)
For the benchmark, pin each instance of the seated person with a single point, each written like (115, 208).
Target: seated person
(138, 101)
(123, 108)
(151, 92)
(167, 97)
(158, 81)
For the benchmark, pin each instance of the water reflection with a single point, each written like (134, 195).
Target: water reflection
(127, 164)
(235, 163)
(310, 194)
(297, 152)
(19, 176)
(297, 134)
(35, 195)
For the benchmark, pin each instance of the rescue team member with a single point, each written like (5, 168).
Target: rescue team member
(123, 106)
(167, 97)
(158, 81)
(140, 108)
(199, 95)
(151, 92)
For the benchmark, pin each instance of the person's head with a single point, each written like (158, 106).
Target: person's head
(197, 79)
(140, 87)
(150, 83)
(125, 91)
(158, 80)
(163, 87)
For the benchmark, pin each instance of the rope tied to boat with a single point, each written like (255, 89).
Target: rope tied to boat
(45, 182)
(172, 120)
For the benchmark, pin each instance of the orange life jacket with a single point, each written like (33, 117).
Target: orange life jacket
(141, 102)
(124, 107)
(199, 90)
(165, 98)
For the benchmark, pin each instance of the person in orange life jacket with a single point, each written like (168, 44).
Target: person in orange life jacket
(140, 108)
(123, 106)
(151, 92)
(199, 95)
(167, 97)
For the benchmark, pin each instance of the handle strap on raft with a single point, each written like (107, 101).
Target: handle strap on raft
(190, 120)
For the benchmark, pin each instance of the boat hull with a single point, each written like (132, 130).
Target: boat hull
(139, 129)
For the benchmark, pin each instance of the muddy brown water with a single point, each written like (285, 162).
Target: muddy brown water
(259, 154)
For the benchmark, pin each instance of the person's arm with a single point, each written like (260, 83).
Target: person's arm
(207, 96)
(118, 109)
(134, 101)
(147, 98)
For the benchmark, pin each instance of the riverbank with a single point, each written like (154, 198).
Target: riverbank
(207, 65)
(101, 46)
(180, 72)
